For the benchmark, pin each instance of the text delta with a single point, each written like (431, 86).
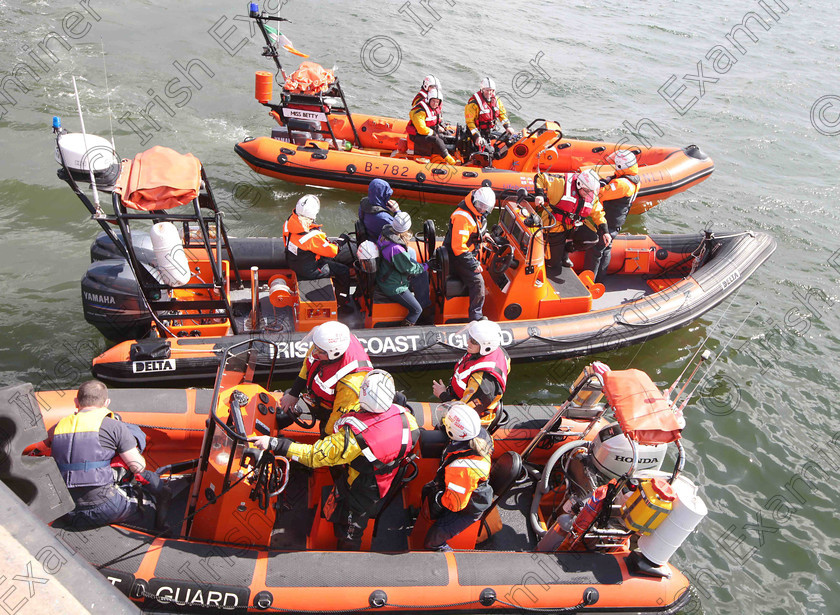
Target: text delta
(161, 365)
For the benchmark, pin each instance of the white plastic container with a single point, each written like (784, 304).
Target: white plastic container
(689, 509)
(169, 254)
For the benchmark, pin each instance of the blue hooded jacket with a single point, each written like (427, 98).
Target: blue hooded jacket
(373, 210)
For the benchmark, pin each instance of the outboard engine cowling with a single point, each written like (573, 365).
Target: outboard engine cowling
(112, 301)
(103, 247)
(612, 454)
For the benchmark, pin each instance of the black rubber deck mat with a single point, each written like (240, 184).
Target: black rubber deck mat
(210, 563)
(148, 400)
(104, 544)
(475, 568)
(357, 570)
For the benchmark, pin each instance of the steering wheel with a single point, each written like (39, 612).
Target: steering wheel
(300, 422)
(502, 258)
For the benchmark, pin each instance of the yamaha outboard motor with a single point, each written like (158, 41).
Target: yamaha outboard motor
(112, 301)
(104, 248)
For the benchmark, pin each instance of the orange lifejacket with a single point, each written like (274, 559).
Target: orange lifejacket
(463, 477)
(323, 376)
(466, 227)
(488, 111)
(432, 117)
(495, 364)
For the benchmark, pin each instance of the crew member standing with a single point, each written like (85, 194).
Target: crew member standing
(467, 227)
(480, 377)
(331, 376)
(572, 199)
(616, 197)
(368, 445)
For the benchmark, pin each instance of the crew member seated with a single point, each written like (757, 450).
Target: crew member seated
(482, 111)
(572, 198)
(481, 375)
(467, 228)
(399, 276)
(429, 82)
(459, 493)
(377, 208)
(616, 197)
(331, 375)
(309, 253)
(84, 445)
(368, 445)
(425, 124)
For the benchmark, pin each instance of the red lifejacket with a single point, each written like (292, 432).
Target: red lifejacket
(432, 117)
(495, 364)
(572, 206)
(385, 439)
(323, 376)
(422, 95)
(488, 111)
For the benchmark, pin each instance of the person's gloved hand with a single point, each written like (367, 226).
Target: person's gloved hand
(435, 507)
(480, 142)
(429, 489)
(280, 446)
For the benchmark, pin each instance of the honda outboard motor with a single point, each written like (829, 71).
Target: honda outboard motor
(112, 301)
(612, 453)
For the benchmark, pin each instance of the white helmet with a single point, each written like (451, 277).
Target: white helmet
(402, 222)
(487, 334)
(367, 251)
(461, 422)
(332, 337)
(484, 199)
(308, 206)
(588, 181)
(624, 159)
(377, 391)
(429, 82)
(488, 83)
(433, 93)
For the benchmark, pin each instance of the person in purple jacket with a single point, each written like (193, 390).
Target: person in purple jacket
(377, 209)
(399, 275)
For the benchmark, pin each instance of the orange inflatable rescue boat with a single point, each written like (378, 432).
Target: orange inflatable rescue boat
(174, 290)
(320, 142)
(246, 533)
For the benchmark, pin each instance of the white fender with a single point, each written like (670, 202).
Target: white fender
(169, 254)
(689, 510)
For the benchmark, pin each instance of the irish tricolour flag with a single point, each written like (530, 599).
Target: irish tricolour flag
(284, 42)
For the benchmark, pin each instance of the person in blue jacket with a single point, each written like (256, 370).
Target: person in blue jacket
(377, 209)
